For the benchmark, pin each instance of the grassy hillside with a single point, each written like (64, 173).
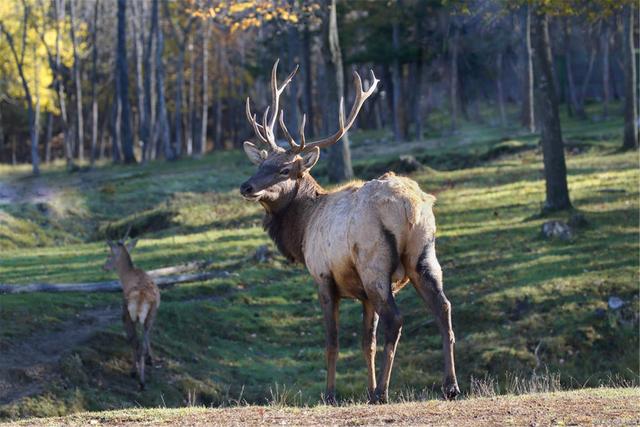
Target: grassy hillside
(520, 302)
(582, 407)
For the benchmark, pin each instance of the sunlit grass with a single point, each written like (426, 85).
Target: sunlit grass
(511, 290)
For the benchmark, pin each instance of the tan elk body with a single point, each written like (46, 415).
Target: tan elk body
(141, 299)
(362, 240)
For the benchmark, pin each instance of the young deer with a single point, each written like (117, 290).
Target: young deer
(140, 303)
(364, 240)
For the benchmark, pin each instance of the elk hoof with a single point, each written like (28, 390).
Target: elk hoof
(330, 399)
(451, 391)
(379, 397)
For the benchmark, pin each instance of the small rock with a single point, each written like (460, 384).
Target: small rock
(615, 303)
(557, 229)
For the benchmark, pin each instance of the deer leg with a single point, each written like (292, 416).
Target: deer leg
(428, 283)
(369, 326)
(392, 324)
(329, 302)
(148, 325)
(132, 338)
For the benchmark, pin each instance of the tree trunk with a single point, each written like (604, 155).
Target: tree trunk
(59, 83)
(416, 96)
(291, 113)
(499, 89)
(126, 136)
(557, 192)
(585, 85)
(94, 83)
(339, 167)
(308, 80)
(178, 100)
(528, 106)
(606, 83)
(630, 88)
(19, 62)
(205, 87)
(572, 98)
(396, 77)
(453, 83)
(138, 43)
(162, 125)
(191, 101)
(47, 138)
(78, 82)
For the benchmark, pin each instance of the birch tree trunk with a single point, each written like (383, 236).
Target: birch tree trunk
(630, 83)
(528, 106)
(94, 83)
(77, 82)
(59, 83)
(339, 168)
(162, 125)
(191, 100)
(205, 86)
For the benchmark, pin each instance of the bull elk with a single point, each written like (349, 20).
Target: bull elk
(364, 240)
(140, 303)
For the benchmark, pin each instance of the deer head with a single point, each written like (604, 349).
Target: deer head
(119, 252)
(279, 168)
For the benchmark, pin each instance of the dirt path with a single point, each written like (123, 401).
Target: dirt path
(29, 365)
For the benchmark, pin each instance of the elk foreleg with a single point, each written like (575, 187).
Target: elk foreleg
(428, 283)
(329, 302)
(369, 326)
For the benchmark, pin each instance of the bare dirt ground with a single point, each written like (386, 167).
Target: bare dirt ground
(27, 366)
(604, 406)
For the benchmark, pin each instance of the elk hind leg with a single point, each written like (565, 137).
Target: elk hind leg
(369, 326)
(132, 338)
(427, 279)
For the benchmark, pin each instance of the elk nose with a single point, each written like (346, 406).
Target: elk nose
(246, 189)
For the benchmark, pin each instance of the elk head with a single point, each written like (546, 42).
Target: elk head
(119, 251)
(279, 168)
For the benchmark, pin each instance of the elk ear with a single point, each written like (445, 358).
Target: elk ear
(310, 159)
(254, 154)
(132, 244)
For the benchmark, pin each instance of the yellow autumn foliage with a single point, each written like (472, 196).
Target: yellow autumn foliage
(33, 52)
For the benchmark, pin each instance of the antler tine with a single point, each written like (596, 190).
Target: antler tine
(254, 123)
(294, 147)
(361, 96)
(301, 131)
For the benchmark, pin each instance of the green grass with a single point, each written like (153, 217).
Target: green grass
(511, 290)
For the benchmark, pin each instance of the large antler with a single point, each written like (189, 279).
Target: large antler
(265, 131)
(361, 96)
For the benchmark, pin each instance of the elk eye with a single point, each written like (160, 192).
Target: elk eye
(284, 171)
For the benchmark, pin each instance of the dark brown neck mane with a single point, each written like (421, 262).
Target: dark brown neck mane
(286, 225)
